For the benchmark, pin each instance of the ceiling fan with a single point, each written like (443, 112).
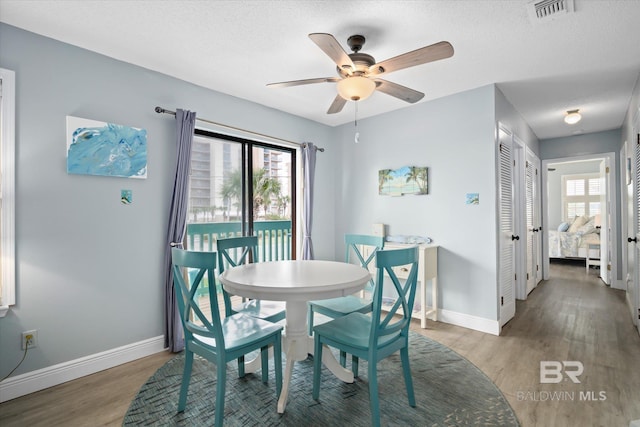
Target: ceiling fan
(359, 72)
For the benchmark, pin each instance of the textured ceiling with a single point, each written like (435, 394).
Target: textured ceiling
(589, 59)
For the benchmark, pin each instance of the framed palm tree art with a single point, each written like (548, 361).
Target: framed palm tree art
(405, 180)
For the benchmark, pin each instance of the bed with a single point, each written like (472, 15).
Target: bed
(575, 240)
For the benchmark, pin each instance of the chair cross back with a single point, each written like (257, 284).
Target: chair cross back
(353, 243)
(385, 262)
(233, 252)
(205, 263)
(247, 245)
(228, 254)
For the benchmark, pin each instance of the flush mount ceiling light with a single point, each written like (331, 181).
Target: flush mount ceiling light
(572, 117)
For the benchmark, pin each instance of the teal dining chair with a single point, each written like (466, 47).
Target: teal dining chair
(378, 335)
(218, 339)
(341, 306)
(236, 251)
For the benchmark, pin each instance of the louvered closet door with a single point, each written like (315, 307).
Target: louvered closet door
(506, 273)
(636, 197)
(531, 225)
(537, 217)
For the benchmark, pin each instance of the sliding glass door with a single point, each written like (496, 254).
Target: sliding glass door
(240, 187)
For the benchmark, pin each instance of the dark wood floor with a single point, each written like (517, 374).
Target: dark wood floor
(571, 317)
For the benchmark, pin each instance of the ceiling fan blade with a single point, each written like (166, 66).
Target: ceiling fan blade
(332, 48)
(304, 82)
(434, 52)
(337, 105)
(398, 91)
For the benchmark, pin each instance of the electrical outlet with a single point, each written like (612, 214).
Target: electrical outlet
(29, 339)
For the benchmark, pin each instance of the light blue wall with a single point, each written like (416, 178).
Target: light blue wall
(89, 269)
(510, 118)
(580, 145)
(634, 109)
(454, 138)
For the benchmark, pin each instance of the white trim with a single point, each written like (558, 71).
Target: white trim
(50, 376)
(468, 321)
(630, 303)
(519, 217)
(618, 284)
(8, 189)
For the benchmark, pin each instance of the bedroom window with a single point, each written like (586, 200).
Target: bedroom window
(580, 195)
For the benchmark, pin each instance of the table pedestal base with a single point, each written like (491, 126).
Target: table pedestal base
(299, 345)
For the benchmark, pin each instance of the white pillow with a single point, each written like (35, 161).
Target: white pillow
(577, 223)
(588, 227)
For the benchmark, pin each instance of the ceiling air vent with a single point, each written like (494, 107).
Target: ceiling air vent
(543, 10)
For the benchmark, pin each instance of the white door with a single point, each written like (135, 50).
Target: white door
(605, 228)
(532, 219)
(634, 231)
(537, 209)
(506, 237)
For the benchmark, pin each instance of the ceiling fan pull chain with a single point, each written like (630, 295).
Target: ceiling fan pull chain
(357, 136)
(356, 117)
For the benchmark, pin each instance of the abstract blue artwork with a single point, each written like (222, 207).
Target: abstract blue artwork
(106, 149)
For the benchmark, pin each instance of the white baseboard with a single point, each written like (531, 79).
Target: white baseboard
(619, 284)
(40, 379)
(471, 322)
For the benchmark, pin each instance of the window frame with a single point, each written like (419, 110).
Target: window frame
(585, 198)
(7, 196)
(247, 171)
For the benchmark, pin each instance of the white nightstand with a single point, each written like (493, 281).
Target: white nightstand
(592, 261)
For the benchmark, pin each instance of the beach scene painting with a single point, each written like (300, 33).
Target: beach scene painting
(472, 199)
(406, 180)
(106, 149)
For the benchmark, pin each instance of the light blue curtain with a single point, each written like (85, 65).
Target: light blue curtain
(185, 125)
(308, 170)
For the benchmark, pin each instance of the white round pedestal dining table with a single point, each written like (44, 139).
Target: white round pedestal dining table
(297, 282)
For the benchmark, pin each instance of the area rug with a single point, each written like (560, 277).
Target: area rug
(449, 391)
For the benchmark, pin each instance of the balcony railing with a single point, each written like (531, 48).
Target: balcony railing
(274, 243)
(274, 237)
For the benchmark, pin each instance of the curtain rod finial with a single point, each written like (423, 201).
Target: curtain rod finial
(159, 110)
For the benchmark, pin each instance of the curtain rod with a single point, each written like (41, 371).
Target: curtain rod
(165, 111)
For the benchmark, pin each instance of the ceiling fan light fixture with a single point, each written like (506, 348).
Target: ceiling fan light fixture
(356, 88)
(572, 117)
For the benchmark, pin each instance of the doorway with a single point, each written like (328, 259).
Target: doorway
(579, 213)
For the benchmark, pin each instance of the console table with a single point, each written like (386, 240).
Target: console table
(427, 272)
